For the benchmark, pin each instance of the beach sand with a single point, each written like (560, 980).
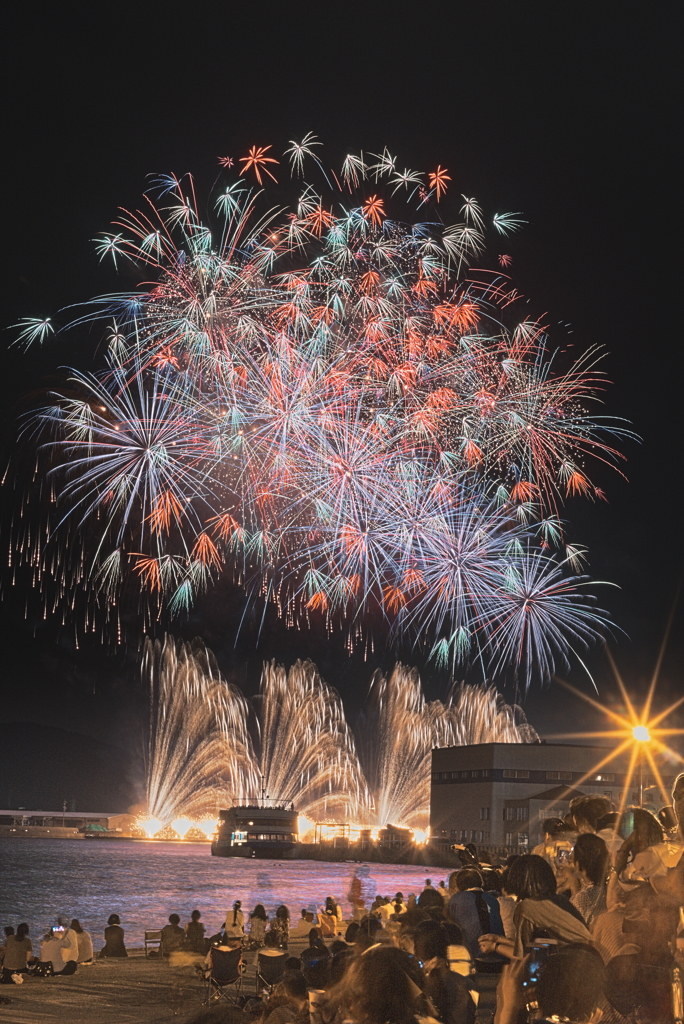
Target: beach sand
(132, 991)
(143, 991)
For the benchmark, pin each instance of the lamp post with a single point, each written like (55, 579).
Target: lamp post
(641, 735)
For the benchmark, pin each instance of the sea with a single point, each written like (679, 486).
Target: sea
(144, 882)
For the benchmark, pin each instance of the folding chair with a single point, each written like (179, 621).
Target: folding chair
(152, 939)
(225, 972)
(269, 970)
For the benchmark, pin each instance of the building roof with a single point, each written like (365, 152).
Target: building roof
(557, 793)
(29, 812)
(536, 743)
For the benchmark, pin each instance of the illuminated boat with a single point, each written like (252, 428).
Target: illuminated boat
(264, 830)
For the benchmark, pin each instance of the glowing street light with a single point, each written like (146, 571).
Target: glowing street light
(637, 733)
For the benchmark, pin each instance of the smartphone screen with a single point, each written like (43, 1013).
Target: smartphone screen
(627, 824)
(563, 853)
(539, 952)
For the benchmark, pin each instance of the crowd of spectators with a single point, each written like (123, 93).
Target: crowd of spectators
(582, 929)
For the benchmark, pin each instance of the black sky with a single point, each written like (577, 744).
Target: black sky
(568, 112)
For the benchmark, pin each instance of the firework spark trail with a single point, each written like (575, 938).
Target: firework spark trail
(320, 404)
(199, 750)
(308, 755)
(398, 730)
(202, 755)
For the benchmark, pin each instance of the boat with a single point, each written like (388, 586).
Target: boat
(266, 830)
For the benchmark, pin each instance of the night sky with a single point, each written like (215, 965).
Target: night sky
(565, 112)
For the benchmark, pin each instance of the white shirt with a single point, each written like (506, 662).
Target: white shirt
(507, 907)
(653, 862)
(51, 950)
(85, 947)
(71, 938)
(386, 911)
(239, 927)
(613, 841)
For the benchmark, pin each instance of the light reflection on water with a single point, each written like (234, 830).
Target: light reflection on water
(145, 882)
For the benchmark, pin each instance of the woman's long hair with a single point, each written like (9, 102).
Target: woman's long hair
(259, 912)
(384, 984)
(76, 925)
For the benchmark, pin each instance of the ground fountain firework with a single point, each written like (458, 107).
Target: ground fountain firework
(342, 406)
(204, 755)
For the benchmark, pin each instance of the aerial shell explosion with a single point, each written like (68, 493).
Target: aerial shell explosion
(342, 407)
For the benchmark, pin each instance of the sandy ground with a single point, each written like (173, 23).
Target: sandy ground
(139, 991)
(132, 991)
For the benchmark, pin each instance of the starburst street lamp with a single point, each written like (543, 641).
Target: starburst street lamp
(635, 732)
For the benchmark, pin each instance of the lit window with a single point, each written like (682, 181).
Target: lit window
(484, 814)
(509, 814)
(516, 773)
(521, 813)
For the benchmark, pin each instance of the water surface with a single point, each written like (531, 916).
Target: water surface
(145, 882)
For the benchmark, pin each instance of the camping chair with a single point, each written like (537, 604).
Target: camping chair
(152, 939)
(269, 970)
(225, 972)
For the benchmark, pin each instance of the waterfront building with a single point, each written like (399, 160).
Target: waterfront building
(55, 824)
(497, 794)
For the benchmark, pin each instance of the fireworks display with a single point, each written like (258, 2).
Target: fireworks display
(333, 408)
(208, 747)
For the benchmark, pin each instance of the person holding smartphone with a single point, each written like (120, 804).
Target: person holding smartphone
(591, 861)
(644, 853)
(539, 909)
(70, 954)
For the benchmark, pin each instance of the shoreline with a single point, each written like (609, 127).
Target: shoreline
(431, 854)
